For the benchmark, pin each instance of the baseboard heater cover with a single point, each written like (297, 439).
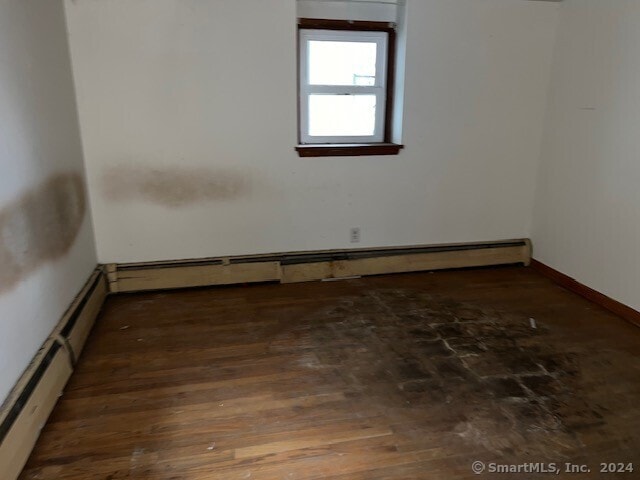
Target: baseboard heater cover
(314, 265)
(49, 352)
(28, 406)
(77, 322)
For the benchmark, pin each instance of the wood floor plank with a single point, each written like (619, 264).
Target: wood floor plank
(411, 376)
(314, 441)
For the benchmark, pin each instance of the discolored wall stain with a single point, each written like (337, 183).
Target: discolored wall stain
(174, 186)
(40, 226)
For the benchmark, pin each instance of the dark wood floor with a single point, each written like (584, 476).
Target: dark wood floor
(392, 377)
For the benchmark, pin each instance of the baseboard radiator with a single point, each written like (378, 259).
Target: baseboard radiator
(316, 265)
(29, 404)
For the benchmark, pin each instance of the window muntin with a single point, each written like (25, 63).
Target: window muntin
(343, 77)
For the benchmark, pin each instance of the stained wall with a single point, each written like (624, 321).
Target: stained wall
(188, 114)
(47, 248)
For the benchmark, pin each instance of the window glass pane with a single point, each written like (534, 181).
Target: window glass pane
(342, 63)
(342, 115)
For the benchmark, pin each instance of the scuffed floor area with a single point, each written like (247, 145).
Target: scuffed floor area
(393, 377)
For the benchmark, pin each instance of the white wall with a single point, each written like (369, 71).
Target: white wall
(587, 215)
(46, 242)
(188, 116)
(349, 10)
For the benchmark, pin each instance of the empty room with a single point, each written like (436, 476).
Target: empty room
(319, 239)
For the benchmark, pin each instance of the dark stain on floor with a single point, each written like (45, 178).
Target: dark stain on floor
(391, 377)
(491, 377)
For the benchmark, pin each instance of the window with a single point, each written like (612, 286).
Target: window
(345, 88)
(342, 86)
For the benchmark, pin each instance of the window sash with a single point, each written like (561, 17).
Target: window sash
(378, 89)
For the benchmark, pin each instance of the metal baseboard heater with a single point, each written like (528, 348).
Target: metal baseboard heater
(26, 409)
(314, 265)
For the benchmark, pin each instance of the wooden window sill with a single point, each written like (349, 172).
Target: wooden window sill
(348, 149)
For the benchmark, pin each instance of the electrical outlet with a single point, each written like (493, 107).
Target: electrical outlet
(354, 235)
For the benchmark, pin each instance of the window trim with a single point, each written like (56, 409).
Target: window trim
(386, 147)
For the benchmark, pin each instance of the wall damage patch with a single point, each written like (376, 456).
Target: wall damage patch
(40, 226)
(174, 186)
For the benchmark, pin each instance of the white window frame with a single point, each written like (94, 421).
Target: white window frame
(381, 39)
